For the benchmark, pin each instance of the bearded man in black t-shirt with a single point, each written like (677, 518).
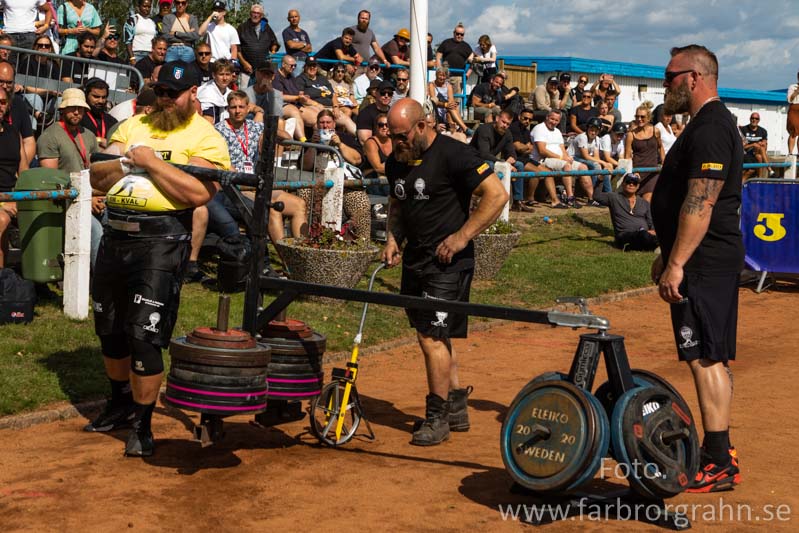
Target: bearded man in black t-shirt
(432, 179)
(695, 211)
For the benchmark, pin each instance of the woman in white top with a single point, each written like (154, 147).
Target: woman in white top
(139, 31)
(667, 135)
(483, 60)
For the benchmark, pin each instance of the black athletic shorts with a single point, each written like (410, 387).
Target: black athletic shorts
(705, 323)
(444, 286)
(136, 287)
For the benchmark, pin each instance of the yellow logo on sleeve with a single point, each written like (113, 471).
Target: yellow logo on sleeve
(482, 168)
(713, 166)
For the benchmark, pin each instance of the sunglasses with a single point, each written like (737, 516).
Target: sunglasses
(400, 137)
(3, 101)
(640, 116)
(669, 75)
(170, 93)
(382, 124)
(755, 119)
(374, 67)
(632, 181)
(291, 65)
(112, 37)
(459, 34)
(181, 3)
(203, 54)
(403, 79)
(43, 45)
(6, 82)
(386, 93)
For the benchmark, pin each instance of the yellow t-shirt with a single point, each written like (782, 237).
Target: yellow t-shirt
(198, 138)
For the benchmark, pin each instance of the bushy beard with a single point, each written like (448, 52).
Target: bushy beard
(678, 100)
(170, 117)
(415, 150)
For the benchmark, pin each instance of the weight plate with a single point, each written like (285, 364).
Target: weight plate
(221, 343)
(236, 391)
(274, 368)
(211, 379)
(655, 434)
(315, 344)
(180, 349)
(301, 359)
(547, 436)
(641, 378)
(326, 410)
(601, 442)
(295, 385)
(206, 408)
(213, 334)
(551, 376)
(294, 395)
(222, 371)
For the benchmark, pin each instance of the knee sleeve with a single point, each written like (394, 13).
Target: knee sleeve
(114, 346)
(145, 358)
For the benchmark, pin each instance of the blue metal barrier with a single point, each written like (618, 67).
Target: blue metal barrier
(24, 196)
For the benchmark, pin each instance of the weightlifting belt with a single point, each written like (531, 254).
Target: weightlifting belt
(173, 226)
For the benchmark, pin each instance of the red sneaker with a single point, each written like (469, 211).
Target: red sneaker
(715, 478)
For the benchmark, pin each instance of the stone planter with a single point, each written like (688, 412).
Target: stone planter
(490, 252)
(343, 268)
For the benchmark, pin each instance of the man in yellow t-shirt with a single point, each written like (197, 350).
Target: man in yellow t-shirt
(145, 248)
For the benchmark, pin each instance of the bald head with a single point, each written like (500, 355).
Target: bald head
(405, 112)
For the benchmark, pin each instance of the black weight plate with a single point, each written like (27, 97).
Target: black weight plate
(293, 375)
(659, 440)
(202, 398)
(204, 407)
(301, 386)
(602, 441)
(292, 395)
(211, 379)
(232, 391)
(547, 436)
(641, 378)
(550, 376)
(314, 344)
(304, 359)
(180, 349)
(222, 371)
(275, 368)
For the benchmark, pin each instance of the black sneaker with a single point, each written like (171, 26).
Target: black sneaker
(140, 443)
(458, 409)
(435, 427)
(113, 417)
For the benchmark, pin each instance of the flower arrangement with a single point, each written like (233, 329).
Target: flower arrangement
(324, 237)
(500, 227)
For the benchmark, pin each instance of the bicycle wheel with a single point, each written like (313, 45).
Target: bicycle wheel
(326, 410)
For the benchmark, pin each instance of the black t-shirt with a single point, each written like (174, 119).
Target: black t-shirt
(100, 126)
(490, 144)
(203, 75)
(751, 136)
(519, 133)
(709, 147)
(583, 115)
(145, 66)
(19, 117)
(367, 117)
(47, 69)
(318, 90)
(77, 71)
(487, 94)
(285, 85)
(103, 56)
(455, 53)
(328, 51)
(9, 158)
(434, 198)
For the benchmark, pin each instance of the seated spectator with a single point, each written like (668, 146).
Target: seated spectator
(494, 143)
(356, 201)
(577, 91)
(296, 104)
(343, 97)
(630, 214)
(258, 43)
(139, 32)
(605, 116)
(244, 138)
(610, 99)
(213, 94)
(367, 116)
(550, 150)
(146, 65)
(611, 145)
(511, 99)
(41, 99)
(76, 17)
(397, 50)
(545, 98)
(487, 99)
(403, 77)
(446, 108)
(642, 145)
(96, 119)
(318, 89)
(755, 139)
(296, 40)
(182, 32)
(14, 160)
(108, 46)
(565, 92)
(523, 143)
(584, 148)
(376, 150)
(579, 114)
(604, 86)
(68, 146)
(483, 60)
(223, 37)
(371, 95)
(340, 49)
(18, 114)
(202, 63)
(75, 71)
(362, 82)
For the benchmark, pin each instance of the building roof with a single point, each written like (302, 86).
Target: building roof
(636, 70)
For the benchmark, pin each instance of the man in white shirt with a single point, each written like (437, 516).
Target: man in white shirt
(584, 148)
(20, 19)
(611, 145)
(550, 150)
(223, 38)
(361, 83)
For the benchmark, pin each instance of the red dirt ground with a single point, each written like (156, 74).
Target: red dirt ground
(53, 477)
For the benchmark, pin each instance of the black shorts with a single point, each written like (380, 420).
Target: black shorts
(452, 286)
(749, 157)
(705, 323)
(136, 287)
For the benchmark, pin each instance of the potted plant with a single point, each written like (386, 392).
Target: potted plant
(492, 247)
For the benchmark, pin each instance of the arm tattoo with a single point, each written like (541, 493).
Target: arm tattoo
(701, 197)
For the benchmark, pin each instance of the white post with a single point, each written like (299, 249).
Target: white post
(790, 172)
(333, 201)
(627, 166)
(77, 248)
(418, 74)
(505, 169)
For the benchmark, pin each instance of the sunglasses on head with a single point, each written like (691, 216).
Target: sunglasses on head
(165, 91)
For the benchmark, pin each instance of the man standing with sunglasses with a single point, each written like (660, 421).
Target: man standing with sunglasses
(432, 179)
(145, 250)
(455, 51)
(695, 210)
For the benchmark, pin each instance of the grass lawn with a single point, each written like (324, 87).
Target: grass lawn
(54, 358)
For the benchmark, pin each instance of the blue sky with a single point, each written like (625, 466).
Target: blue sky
(757, 42)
